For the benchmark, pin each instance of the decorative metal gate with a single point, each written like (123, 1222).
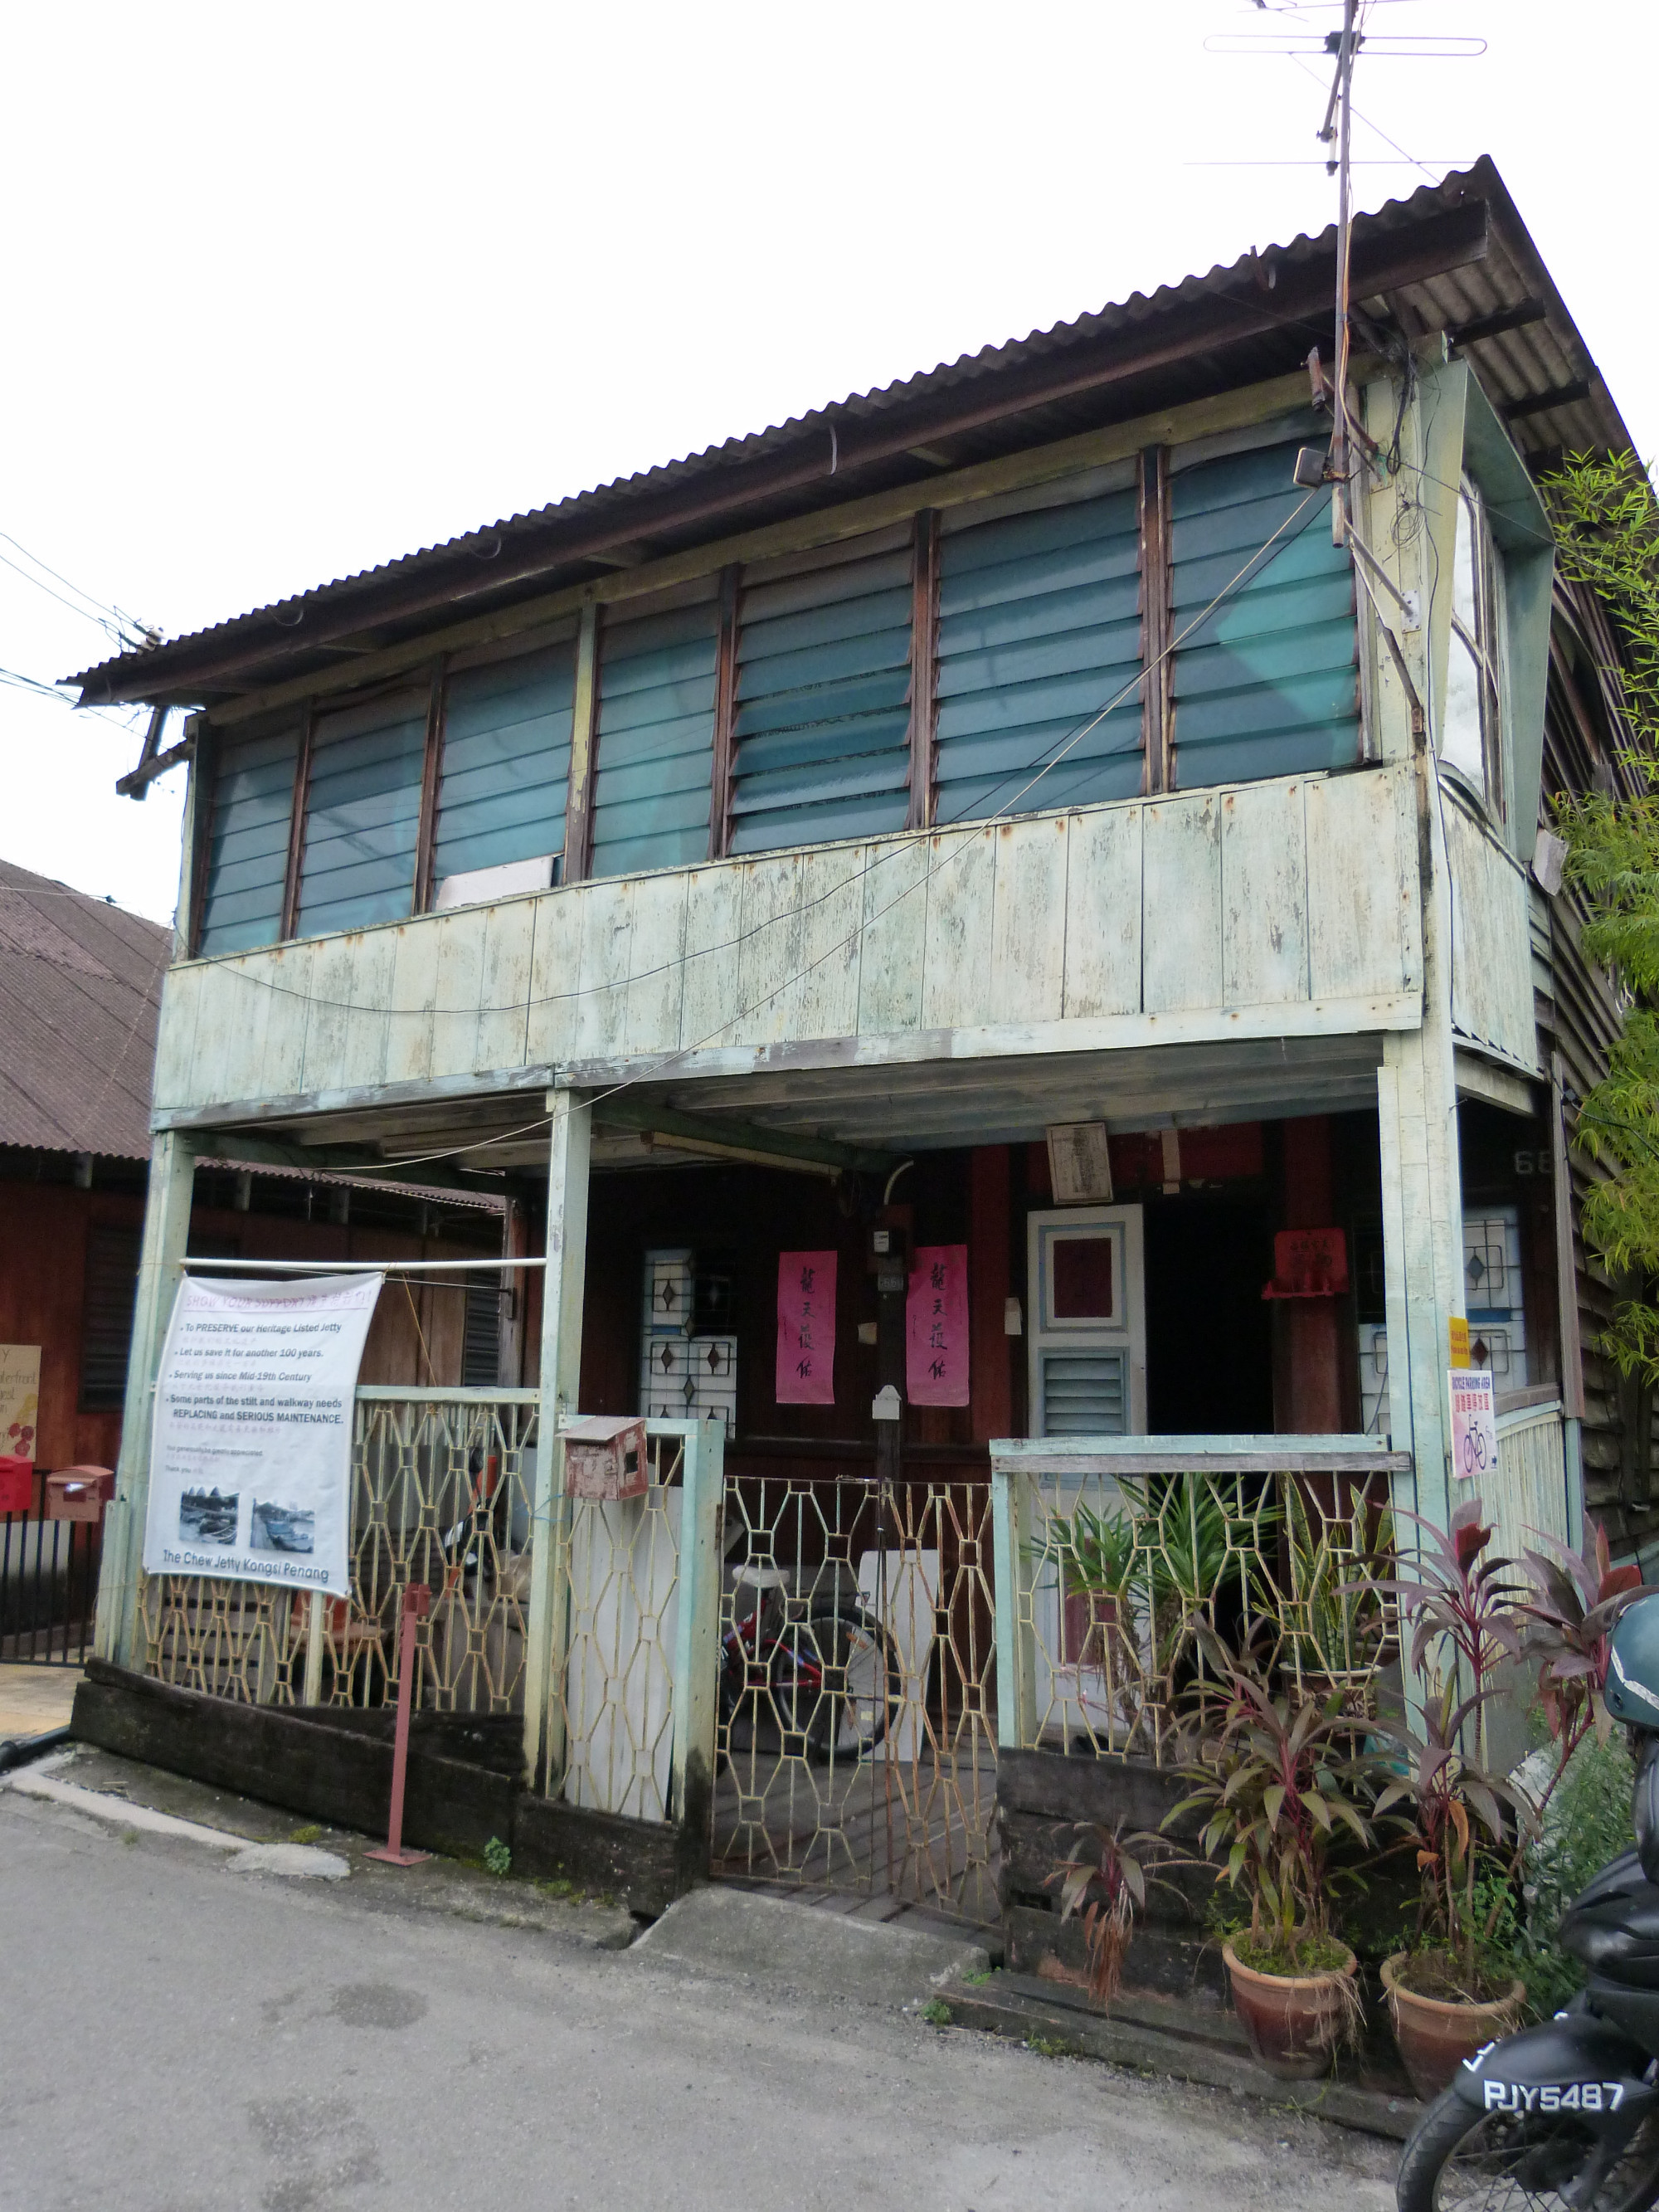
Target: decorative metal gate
(855, 1728)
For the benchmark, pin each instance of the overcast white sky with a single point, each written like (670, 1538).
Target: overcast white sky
(293, 290)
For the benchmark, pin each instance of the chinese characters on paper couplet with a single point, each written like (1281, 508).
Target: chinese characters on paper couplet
(936, 1326)
(806, 1328)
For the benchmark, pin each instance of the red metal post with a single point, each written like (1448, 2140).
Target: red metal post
(417, 1603)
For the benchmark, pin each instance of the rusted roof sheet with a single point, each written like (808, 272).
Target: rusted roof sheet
(1452, 255)
(80, 990)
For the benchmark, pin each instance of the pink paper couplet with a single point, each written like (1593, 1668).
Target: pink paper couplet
(806, 1328)
(936, 1326)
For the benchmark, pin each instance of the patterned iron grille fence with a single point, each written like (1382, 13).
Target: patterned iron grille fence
(1115, 1575)
(617, 1616)
(441, 1492)
(855, 1731)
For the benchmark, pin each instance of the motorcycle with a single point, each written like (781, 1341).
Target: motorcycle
(1566, 2114)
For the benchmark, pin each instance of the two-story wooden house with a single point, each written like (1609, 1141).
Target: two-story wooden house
(996, 825)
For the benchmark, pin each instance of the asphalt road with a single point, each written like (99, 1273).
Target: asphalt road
(180, 2038)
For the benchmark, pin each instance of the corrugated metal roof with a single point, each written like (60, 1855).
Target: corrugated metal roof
(1222, 327)
(80, 990)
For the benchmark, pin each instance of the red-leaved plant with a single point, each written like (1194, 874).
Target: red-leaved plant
(1568, 1618)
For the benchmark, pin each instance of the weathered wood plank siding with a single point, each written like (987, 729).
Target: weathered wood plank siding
(1491, 938)
(1281, 908)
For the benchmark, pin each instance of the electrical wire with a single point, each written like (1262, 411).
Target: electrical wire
(1058, 748)
(46, 691)
(103, 606)
(965, 845)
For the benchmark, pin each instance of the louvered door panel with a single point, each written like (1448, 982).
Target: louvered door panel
(247, 840)
(1039, 630)
(822, 714)
(1267, 684)
(1083, 1393)
(654, 740)
(506, 761)
(363, 814)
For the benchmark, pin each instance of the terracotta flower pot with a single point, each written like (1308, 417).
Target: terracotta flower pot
(1294, 2021)
(1435, 2035)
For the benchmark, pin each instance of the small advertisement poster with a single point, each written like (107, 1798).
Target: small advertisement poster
(20, 1398)
(250, 1473)
(1474, 1421)
(936, 1326)
(806, 1328)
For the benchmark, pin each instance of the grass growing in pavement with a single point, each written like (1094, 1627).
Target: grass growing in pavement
(936, 2013)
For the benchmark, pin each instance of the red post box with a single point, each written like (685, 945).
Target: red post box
(16, 1483)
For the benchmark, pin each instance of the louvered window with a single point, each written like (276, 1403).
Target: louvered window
(481, 1338)
(248, 838)
(1039, 629)
(654, 740)
(823, 716)
(363, 814)
(1087, 1329)
(111, 1288)
(506, 761)
(1267, 684)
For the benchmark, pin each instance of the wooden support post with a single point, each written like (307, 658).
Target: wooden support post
(697, 1629)
(560, 1380)
(991, 1412)
(166, 1239)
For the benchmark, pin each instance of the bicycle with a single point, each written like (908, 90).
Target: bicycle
(828, 1678)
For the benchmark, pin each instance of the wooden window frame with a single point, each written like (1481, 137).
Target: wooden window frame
(204, 780)
(722, 778)
(584, 726)
(425, 834)
(1157, 625)
(924, 668)
(296, 829)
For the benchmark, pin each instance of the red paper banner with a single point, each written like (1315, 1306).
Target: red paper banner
(936, 1326)
(806, 1328)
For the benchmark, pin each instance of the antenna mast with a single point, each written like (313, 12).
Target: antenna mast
(1337, 115)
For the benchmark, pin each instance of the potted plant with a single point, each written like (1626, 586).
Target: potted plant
(1448, 1992)
(1279, 1782)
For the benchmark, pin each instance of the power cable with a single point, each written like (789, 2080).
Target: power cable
(965, 845)
(103, 606)
(1058, 748)
(46, 691)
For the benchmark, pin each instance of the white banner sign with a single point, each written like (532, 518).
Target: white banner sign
(1474, 1422)
(250, 1471)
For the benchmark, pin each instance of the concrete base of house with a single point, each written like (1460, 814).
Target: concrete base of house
(336, 1766)
(733, 1934)
(1156, 2034)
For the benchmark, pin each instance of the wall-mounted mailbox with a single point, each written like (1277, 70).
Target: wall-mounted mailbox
(79, 1493)
(16, 1483)
(605, 1458)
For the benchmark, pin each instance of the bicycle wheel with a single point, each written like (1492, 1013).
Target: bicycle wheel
(860, 1687)
(1461, 2160)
